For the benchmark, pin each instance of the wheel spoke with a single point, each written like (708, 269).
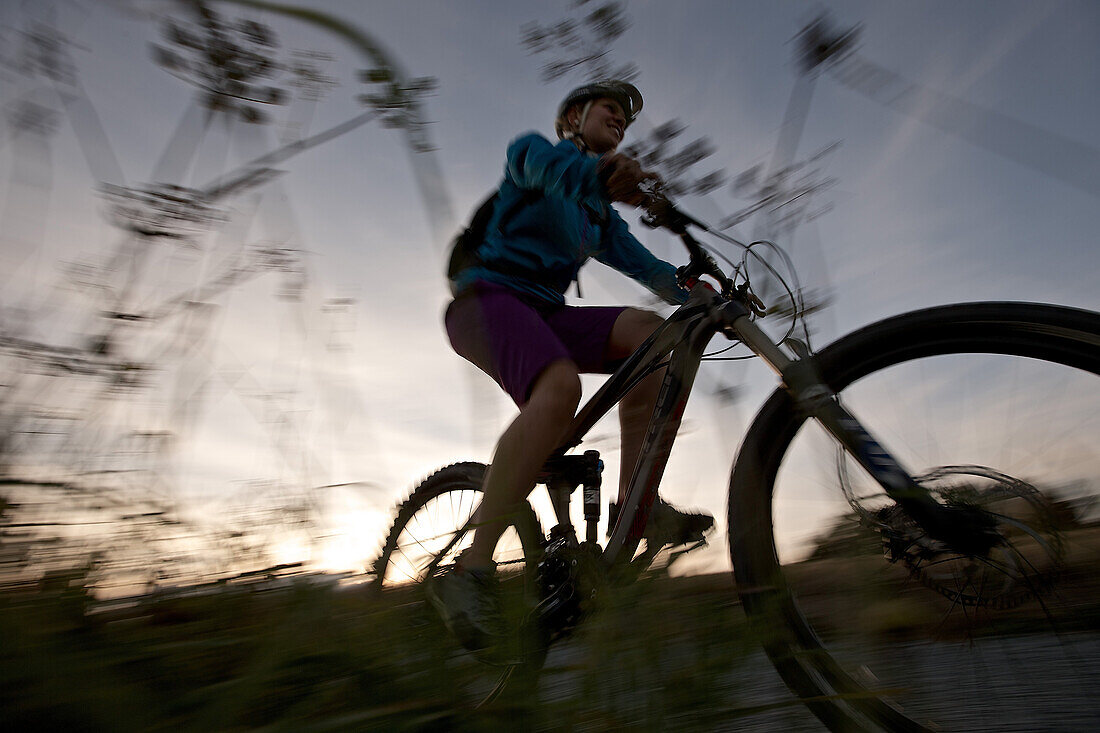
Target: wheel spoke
(947, 393)
(430, 527)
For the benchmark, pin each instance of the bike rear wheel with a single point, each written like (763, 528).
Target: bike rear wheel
(431, 528)
(995, 407)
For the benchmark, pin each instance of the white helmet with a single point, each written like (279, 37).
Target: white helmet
(626, 94)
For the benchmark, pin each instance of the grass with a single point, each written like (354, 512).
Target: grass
(311, 656)
(661, 654)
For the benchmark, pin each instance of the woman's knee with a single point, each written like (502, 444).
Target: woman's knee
(631, 329)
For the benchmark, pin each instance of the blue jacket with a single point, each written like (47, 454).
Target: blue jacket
(556, 215)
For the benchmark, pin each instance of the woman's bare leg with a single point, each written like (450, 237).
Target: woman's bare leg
(521, 452)
(631, 329)
(667, 525)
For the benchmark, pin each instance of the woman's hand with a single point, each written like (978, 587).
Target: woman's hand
(621, 176)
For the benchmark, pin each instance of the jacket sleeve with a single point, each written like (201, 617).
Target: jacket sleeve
(629, 256)
(535, 163)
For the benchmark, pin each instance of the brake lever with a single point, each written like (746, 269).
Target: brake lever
(661, 212)
(749, 298)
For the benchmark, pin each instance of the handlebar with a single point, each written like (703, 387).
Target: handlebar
(661, 212)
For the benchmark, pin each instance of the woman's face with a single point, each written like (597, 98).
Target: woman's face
(603, 128)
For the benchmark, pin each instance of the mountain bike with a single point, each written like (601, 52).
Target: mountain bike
(968, 544)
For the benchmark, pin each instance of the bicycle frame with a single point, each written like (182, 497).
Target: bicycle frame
(682, 337)
(685, 335)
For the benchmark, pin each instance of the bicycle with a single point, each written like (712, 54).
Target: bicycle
(984, 540)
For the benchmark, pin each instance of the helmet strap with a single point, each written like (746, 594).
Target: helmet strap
(575, 134)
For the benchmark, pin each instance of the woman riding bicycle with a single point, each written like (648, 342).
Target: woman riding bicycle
(509, 318)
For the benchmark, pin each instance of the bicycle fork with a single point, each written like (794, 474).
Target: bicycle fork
(814, 398)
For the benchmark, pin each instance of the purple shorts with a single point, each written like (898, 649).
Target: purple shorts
(512, 339)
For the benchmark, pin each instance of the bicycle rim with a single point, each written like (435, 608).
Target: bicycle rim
(431, 528)
(993, 405)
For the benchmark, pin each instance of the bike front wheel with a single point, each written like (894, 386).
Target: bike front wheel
(995, 408)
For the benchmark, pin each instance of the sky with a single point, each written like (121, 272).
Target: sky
(971, 175)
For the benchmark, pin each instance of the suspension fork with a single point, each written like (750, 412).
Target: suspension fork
(815, 399)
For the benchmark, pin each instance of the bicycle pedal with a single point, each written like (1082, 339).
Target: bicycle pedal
(675, 555)
(699, 543)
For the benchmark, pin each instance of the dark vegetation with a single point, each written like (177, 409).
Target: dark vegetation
(305, 654)
(286, 650)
